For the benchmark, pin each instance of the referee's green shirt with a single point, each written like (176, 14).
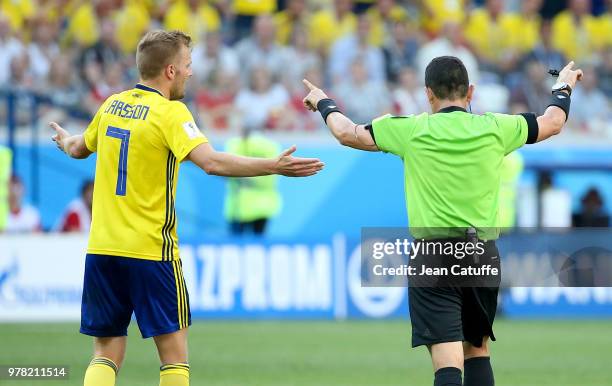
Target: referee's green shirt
(452, 162)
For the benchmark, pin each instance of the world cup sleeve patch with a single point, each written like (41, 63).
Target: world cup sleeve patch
(192, 130)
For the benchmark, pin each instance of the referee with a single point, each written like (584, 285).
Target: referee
(452, 161)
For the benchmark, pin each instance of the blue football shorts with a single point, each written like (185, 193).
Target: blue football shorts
(116, 287)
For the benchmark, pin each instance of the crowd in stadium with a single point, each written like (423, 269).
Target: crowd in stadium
(23, 217)
(249, 56)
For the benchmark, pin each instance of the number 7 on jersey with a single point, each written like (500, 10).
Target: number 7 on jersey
(124, 136)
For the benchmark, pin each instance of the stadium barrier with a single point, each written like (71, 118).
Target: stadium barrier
(41, 280)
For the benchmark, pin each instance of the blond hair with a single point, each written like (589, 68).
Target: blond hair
(157, 49)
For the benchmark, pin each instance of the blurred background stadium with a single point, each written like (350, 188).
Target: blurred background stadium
(285, 252)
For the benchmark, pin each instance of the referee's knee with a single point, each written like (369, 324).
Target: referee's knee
(471, 351)
(446, 354)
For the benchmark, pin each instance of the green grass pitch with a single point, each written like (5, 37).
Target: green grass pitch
(528, 353)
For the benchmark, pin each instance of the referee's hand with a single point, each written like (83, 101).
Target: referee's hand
(569, 76)
(313, 97)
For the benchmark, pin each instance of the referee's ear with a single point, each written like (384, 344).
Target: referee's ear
(430, 95)
(470, 93)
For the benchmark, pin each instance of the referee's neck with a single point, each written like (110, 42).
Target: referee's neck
(442, 104)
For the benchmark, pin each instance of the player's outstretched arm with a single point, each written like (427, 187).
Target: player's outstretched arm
(343, 128)
(229, 165)
(555, 116)
(73, 145)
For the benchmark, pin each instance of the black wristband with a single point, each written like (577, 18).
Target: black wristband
(562, 100)
(533, 129)
(327, 106)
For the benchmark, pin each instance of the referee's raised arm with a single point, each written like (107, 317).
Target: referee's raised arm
(347, 132)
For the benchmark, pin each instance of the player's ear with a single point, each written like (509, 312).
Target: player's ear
(170, 71)
(470, 93)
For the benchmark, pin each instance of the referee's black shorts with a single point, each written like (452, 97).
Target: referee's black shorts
(451, 313)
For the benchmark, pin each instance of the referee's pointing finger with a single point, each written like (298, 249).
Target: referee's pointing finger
(568, 67)
(310, 86)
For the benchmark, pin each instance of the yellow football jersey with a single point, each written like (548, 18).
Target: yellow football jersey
(141, 138)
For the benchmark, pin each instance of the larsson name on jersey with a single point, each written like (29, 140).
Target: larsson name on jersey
(126, 110)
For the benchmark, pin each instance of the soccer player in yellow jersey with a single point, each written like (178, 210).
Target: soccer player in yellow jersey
(132, 266)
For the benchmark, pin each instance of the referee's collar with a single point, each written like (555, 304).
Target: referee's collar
(141, 86)
(450, 109)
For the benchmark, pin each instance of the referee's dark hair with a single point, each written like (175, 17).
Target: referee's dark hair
(447, 77)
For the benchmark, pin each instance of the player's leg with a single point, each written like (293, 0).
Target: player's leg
(108, 358)
(435, 315)
(479, 313)
(470, 351)
(105, 314)
(448, 354)
(172, 350)
(447, 360)
(112, 347)
(161, 305)
(477, 365)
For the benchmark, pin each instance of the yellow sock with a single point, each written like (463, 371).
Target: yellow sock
(174, 374)
(101, 372)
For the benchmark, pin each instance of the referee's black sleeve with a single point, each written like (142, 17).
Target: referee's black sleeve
(369, 128)
(532, 127)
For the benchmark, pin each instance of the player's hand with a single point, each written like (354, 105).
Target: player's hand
(314, 96)
(290, 166)
(570, 76)
(60, 136)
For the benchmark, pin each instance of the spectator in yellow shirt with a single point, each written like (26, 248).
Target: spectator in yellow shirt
(382, 18)
(522, 32)
(193, 17)
(253, 7)
(83, 28)
(245, 12)
(526, 26)
(489, 31)
(327, 26)
(294, 16)
(19, 13)
(436, 13)
(578, 34)
(132, 21)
